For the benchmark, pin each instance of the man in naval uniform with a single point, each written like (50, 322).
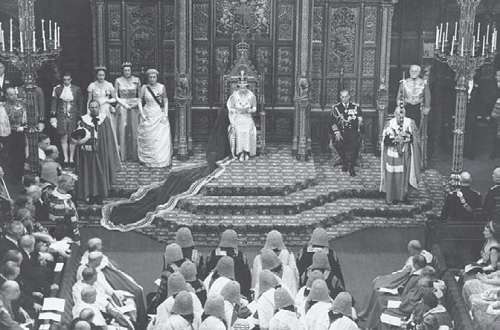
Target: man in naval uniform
(345, 124)
(461, 202)
(415, 94)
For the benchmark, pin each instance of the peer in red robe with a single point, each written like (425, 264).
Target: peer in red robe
(97, 155)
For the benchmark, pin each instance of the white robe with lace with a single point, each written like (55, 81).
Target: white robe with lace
(242, 132)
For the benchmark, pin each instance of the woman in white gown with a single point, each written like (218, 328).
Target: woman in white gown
(154, 143)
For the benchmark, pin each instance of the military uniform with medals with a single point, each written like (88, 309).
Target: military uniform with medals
(416, 96)
(460, 204)
(346, 119)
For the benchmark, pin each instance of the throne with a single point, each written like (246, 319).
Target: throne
(255, 84)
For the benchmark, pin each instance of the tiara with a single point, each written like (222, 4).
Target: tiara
(100, 67)
(126, 64)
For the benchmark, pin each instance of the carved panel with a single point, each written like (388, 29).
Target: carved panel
(284, 90)
(332, 91)
(142, 34)
(285, 60)
(315, 91)
(200, 21)
(342, 32)
(285, 22)
(370, 25)
(367, 92)
(233, 16)
(169, 59)
(114, 21)
(317, 60)
(350, 85)
(200, 90)
(169, 22)
(222, 59)
(263, 59)
(369, 61)
(201, 60)
(318, 14)
(114, 60)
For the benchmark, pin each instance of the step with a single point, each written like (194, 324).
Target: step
(325, 215)
(293, 203)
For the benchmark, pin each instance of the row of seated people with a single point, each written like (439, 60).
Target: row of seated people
(28, 258)
(104, 296)
(281, 292)
(409, 298)
(481, 281)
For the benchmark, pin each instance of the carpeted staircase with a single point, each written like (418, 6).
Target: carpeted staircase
(277, 191)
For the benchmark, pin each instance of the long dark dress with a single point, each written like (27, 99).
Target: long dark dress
(218, 140)
(16, 141)
(97, 159)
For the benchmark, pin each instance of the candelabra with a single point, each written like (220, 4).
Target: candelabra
(464, 55)
(28, 54)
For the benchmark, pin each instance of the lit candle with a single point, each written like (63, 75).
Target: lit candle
(478, 31)
(59, 37)
(441, 32)
(473, 47)
(10, 44)
(488, 34)
(484, 45)
(3, 40)
(452, 45)
(43, 26)
(34, 41)
(462, 48)
(21, 43)
(442, 44)
(50, 29)
(456, 30)
(446, 32)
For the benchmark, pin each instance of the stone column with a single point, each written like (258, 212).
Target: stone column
(385, 59)
(183, 140)
(301, 144)
(97, 9)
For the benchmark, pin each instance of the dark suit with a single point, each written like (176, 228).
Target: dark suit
(41, 212)
(460, 204)
(491, 205)
(6, 245)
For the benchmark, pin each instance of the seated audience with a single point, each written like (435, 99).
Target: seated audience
(184, 238)
(461, 203)
(319, 242)
(341, 315)
(228, 246)
(318, 306)
(490, 253)
(269, 260)
(188, 270)
(303, 293)
(286, 316)
(432, 315)
(182, 317)
(117, 279)
(172, 261)
(290, 276)
(220, 276)
(51, 169)
(34, 277)
(176, 284)
(10, 319)
(10, 240)
(380, 296)
(491, 204)
(41, 209)
(213, 317)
